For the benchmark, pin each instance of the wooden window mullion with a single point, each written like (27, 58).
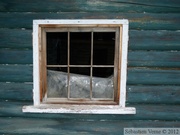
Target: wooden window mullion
(68, 61)
(91, 72)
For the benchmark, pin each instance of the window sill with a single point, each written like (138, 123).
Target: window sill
(79, 109)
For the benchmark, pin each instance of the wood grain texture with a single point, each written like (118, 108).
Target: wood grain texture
(154, 59)
(153, 94)
(143, 112)
(138, 40)
(16, 91)
(135, 94)
(9, 56)
(30, 126)
(138, 6)
(146, 21)
(15, 73)
(143, 76)
(15, 38)
(154, 40)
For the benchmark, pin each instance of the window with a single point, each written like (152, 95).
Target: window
(79, 66)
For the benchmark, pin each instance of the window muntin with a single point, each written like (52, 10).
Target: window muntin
(84, 63)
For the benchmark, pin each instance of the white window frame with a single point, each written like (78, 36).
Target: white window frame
(40, 107)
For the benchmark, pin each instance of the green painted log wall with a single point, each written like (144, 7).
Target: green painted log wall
(153, 81)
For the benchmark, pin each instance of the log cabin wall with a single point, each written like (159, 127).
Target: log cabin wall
(153, 82)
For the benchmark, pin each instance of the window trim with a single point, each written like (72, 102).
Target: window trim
(39, 107)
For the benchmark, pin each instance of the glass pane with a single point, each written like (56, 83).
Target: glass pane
(79, 82)
(103, 48)
(102, 72)
(80, 48)
(56, 48)
(57, 82)
(103, 83)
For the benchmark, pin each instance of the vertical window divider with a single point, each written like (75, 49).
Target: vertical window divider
(116, 63)
(44, 65)
(91, 72)
(68, 62)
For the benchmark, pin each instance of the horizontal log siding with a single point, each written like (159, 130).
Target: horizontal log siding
(153, 82)
(144, 112)
(31, 126)
(136, 76)
(15, 73)
(143, 21)
(163, 59)
(131, 6)
(138, 39)
(149, 94)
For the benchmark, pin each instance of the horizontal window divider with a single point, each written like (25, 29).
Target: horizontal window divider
(57, 66)
(102, 65)
(80, 66)
(93, 99)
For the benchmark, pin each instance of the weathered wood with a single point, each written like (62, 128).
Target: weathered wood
(78, 109)
(135, 58)
(138, 40)
(137, 21)
(154, 40)
(30, 126)
(153, 59)
(143, 112)
(135, 94)
(136, 76)
(153, 94)
(132, 6)
(15, 73)
(16, 91)
(74, 127)
(143, 76)
(15, 56)
(15, 38)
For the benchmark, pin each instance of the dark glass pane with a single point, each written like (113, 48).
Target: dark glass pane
(56, 48)
(103, 85)
(79, 82)
(103, 49)
(57, 82)
(102, 72)
(80, 70)
(80, 48)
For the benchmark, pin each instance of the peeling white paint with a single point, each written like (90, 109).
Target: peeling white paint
(80, 109)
